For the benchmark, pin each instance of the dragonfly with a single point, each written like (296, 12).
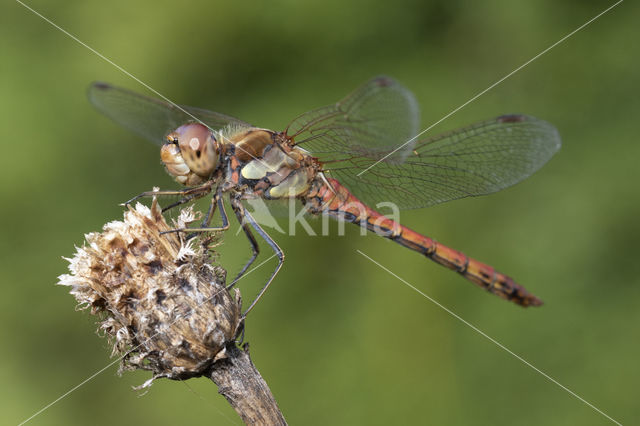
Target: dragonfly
(339, 160)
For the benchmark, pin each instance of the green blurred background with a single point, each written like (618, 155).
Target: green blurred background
(339, 340)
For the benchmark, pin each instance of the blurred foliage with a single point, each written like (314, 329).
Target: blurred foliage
(339, 340)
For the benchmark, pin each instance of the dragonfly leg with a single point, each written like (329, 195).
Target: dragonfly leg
(238, 209)
(216, 200)
(278, 251)
(184, 200)
(187, 195)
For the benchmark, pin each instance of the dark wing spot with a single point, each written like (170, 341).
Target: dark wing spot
(102, 85)
(383, 81)
(511, 118)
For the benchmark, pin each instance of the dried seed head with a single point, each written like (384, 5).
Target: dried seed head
(162, 303)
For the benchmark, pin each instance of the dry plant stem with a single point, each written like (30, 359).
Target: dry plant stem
(240, 382)
(165, 307)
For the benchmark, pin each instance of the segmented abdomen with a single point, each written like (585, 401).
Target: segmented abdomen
(339, 202)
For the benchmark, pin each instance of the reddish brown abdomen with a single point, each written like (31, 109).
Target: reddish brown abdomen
(339, 202)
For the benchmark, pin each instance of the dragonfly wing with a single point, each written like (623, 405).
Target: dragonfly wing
(476, 160)
(379, 115)
(151, 118)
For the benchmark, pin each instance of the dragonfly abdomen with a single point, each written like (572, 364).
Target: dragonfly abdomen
(337, 201)
(475, 271)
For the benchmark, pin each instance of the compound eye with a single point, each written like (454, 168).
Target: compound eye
(198, 147)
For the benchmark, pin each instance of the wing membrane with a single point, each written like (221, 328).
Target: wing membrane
(476, 160)
(378, 115)
(151, 118)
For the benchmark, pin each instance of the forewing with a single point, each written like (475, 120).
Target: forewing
(149, 117)
(476, 160)
(379, 115)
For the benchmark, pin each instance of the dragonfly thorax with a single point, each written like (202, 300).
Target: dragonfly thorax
(191, 154)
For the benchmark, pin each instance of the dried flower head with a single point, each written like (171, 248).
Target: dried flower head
(162, 303)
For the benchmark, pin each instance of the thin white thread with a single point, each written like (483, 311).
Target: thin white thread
(491, 87)
(73, 389)
(494, 341)
(127, 73)
(206, 401)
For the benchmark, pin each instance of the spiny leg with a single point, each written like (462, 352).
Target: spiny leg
(216, 200)
(184, 200)
(275, 248)
(239, 210)
(183, 192)
(188, 194)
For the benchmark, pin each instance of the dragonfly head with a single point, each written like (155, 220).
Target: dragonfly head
(191, 154)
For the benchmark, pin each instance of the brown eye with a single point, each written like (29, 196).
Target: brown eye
(198, 146)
